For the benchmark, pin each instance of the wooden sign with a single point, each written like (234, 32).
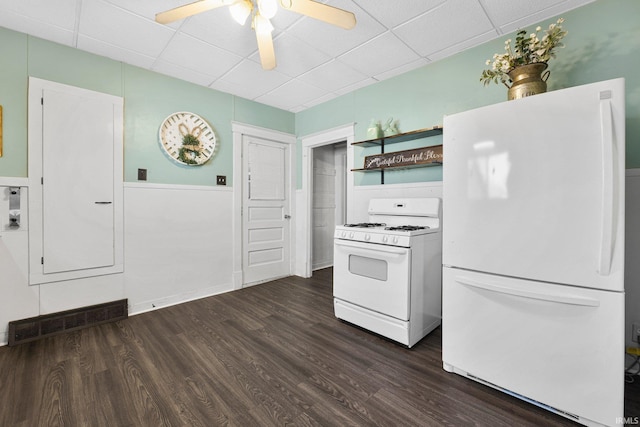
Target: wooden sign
(407, 158)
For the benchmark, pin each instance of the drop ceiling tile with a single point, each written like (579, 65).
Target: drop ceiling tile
(119, 54)
(59, 13)
(435, 30)
(218, 28)
(504, 12)
(318, 101)
(194, 54)
(182, 73)
(115, 26)
(332, 76)
(381, 54)
(285, 18)
(293, 57)
(465, 44)
(334, 40)
(421, 62)
(147, 9)
(291, 94)
(249, 80)
(392, 14)
(356, 86)
(530, 13)
(26, 25)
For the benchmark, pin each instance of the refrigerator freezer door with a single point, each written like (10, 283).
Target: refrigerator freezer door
(534, 188)
(561, 346)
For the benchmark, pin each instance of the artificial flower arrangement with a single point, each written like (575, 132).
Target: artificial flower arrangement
(527, 50)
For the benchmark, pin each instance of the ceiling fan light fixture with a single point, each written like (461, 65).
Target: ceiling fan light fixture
(240, 11)
(268, 8)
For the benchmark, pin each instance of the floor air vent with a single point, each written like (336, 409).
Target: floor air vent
(34, 328)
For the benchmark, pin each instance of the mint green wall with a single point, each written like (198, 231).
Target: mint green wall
(148, 98)
(13, 89)
(603, 43)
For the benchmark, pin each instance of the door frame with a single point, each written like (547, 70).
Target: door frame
(239, 131)
(304, 266)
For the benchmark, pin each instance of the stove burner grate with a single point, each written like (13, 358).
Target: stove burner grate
(366, 225)
(406, 228)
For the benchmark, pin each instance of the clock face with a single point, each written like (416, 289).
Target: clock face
(187, 138)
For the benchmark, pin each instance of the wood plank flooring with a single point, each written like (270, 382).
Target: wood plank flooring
(273, 354)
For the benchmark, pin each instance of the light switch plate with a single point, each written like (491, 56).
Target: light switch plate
(142, 174)
(221, 180)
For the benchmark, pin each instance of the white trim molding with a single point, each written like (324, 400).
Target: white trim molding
(342, 133)
(7, 181)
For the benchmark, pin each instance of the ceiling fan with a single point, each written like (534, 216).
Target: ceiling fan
(261, 11)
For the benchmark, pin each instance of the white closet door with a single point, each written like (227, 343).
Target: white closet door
(78, 182)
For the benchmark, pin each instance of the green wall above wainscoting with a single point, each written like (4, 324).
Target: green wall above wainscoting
(13, 98)
(603, 43)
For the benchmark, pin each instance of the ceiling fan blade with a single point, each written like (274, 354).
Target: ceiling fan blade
(265, 48)
(322, 12)
(190, 9)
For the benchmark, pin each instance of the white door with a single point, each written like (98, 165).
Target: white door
(78, 182)
(534, 188)
(265, 210)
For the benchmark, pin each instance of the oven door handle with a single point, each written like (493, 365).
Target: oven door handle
(368, 249)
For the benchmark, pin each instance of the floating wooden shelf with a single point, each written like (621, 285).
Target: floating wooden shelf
(423, 165)
(401, 137)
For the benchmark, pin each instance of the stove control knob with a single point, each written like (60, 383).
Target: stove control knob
(367, 237)
(385, 238)
(351, 235)
(395, 239)
(344, 234)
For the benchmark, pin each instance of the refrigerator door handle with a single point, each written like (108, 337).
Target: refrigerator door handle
(607, 140)
(557, 297)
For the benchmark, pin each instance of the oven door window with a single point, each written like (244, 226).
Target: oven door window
(368, 267)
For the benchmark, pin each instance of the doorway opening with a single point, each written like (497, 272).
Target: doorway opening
(328, 201)
(341, 137)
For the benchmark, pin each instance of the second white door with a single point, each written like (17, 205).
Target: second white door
(265, 210)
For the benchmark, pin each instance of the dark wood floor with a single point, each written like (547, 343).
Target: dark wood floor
(273, 354)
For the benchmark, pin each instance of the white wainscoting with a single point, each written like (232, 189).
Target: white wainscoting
(18, 300)
(178, 244)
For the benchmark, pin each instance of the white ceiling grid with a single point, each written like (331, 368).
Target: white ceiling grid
(315, 61)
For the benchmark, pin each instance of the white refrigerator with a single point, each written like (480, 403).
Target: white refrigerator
(533, 249)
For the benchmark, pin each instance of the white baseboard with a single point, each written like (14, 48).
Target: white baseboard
(156, 304)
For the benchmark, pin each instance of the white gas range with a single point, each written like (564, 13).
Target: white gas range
(387, 272)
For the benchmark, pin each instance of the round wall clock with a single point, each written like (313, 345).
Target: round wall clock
(188, 138)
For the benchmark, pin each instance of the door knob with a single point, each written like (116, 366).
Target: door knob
(287, 217)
